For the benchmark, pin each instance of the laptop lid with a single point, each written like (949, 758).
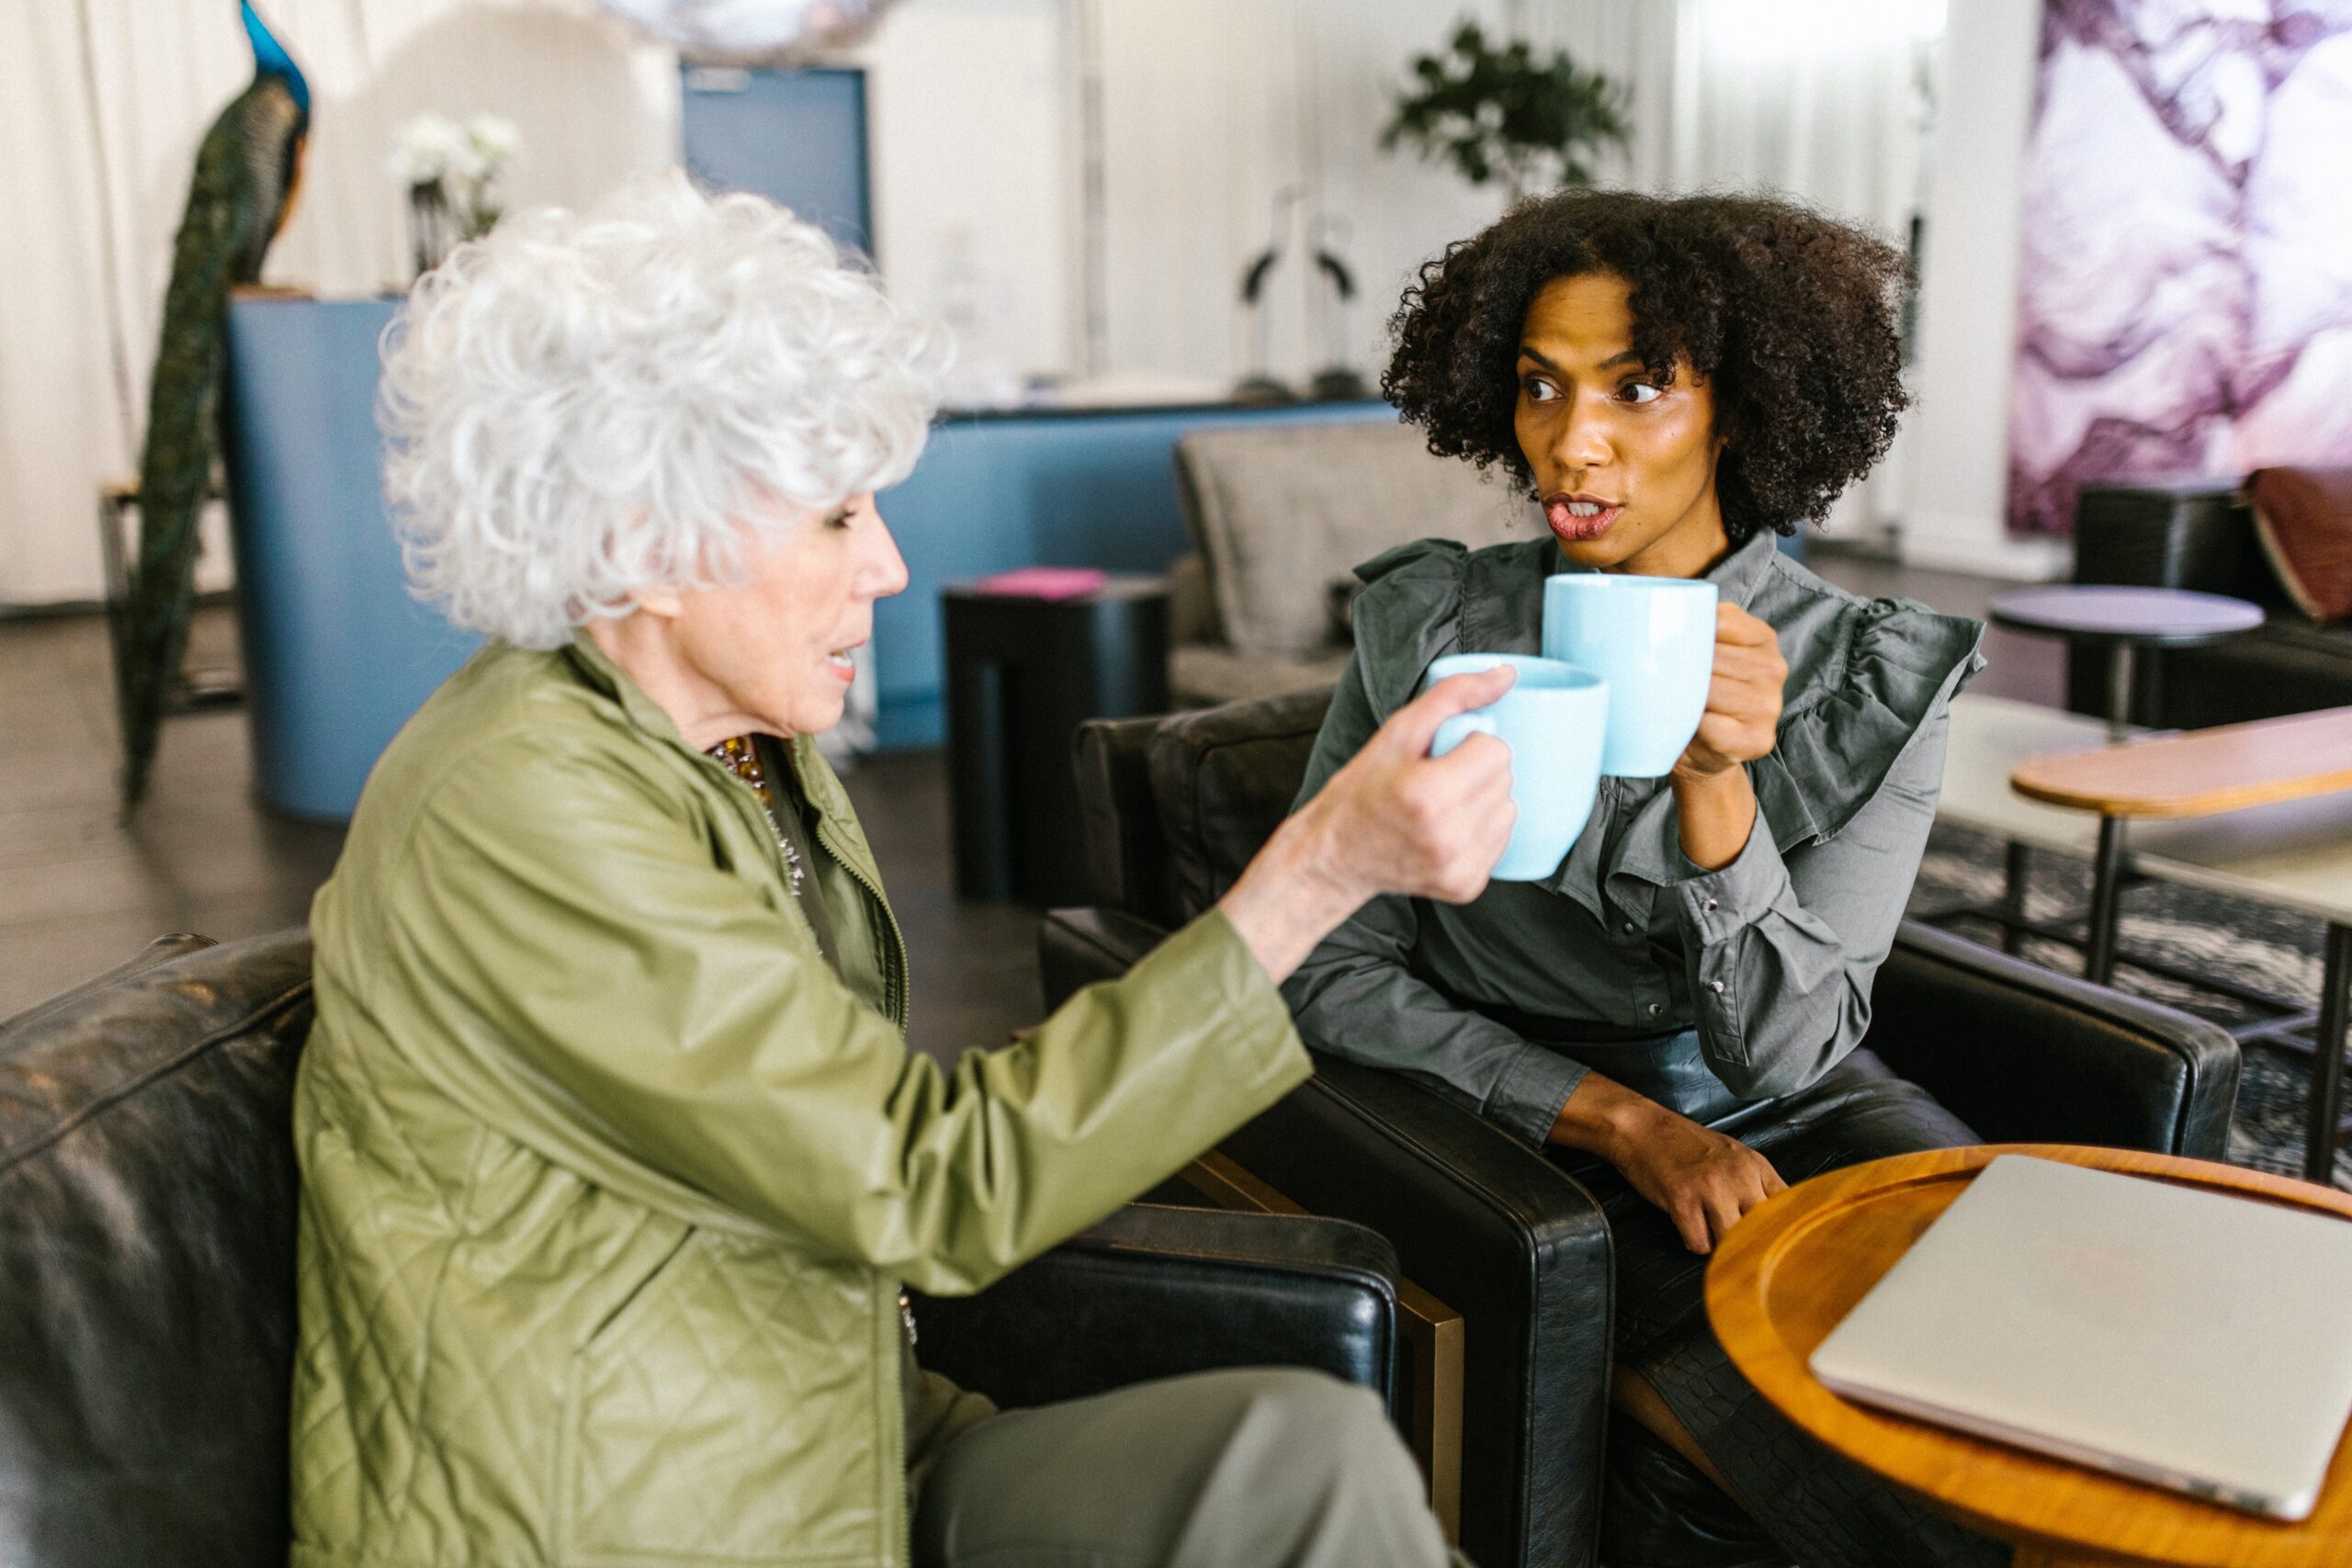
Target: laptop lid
(2190, 1339)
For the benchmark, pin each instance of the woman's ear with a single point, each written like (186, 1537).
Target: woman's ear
(663, 600)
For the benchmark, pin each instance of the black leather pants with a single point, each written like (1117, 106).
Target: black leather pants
(1790, 1497)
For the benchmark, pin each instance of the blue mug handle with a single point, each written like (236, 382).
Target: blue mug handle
(1460, 728)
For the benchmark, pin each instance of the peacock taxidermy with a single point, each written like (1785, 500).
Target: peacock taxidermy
(247, 169)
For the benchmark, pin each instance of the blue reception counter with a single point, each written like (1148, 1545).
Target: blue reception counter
(337, 654)
(1066, 488)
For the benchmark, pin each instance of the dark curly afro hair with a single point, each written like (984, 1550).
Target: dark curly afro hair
(1790, 317)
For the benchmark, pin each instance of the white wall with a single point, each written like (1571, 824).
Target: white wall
(969, 140)
(1958, 461)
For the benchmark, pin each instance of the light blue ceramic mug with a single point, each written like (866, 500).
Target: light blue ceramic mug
(1553, 720)
(1653, 639)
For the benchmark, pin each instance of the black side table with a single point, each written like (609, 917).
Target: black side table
(2122, 619)
(1023, 673)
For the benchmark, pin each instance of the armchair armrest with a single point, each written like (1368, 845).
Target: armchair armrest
(1504, 1237)
(1078, 947)
(2024, 1054)
(1489, 1226)
(1157, 1293)
(163, 950)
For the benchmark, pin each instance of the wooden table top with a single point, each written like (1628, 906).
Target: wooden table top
(1793, 1267)
(2201, 772)
(2296, 854)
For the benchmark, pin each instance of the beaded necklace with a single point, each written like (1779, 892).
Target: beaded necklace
(740, 757)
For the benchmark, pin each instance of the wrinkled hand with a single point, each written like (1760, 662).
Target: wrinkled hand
(1743, 700)
(1703, 1179)
(1396, 819)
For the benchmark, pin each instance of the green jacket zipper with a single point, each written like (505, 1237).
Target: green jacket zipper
(895, 997)
(895, 989)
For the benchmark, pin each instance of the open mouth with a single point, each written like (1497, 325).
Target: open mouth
(843, 660)
(1580, 517)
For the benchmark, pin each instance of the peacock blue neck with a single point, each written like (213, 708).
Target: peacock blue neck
(270, 58)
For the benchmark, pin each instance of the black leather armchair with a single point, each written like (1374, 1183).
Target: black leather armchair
(2201, 536)
(1175, 806)
(147, 1204)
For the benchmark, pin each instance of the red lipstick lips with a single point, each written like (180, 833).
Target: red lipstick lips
(1577, 517)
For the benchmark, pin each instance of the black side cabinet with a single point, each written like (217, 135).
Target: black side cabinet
(1023, 673)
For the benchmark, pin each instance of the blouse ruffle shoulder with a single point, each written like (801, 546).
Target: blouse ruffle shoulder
(1887, 667)
(1866, 676)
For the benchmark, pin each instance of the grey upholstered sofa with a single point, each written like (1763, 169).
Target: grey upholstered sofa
(1280, 516)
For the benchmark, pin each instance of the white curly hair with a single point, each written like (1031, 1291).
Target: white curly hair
(581, 406)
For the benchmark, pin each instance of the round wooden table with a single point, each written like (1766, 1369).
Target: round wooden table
(1792, 1268)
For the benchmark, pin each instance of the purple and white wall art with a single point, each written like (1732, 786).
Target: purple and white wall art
(2186, 281)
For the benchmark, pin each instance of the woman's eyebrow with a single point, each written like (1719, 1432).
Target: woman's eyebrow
(1611, 363)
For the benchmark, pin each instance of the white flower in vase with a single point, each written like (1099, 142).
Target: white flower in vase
(447, 169)
(428, 148)
(493, 143)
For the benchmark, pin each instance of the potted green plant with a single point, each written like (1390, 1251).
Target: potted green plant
(1498, 112)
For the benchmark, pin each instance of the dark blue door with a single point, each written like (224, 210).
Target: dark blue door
(797, 137)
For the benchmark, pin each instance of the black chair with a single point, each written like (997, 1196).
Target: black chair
(147, 1318)
(2200, 535)
(1175, 806)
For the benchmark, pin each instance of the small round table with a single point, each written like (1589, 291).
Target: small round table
(1792, 1268)
(2124, 618)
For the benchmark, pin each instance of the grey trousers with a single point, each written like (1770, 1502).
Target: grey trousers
(1253, 1469)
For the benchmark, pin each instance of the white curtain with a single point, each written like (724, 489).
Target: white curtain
(102, 104)
(1826, 100)
(1823, 99)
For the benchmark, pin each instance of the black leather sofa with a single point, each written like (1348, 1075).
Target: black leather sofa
(147, 1201)
(2202, 536)
(1175, 806)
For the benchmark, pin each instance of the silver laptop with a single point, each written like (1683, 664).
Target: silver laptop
(2195, 1340)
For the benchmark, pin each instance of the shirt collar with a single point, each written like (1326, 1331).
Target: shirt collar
(1739, 575)
(596, 667)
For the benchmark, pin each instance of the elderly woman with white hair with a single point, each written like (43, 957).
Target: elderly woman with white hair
(615, 1158)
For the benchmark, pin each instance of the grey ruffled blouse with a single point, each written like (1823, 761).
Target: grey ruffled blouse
(1705, 990)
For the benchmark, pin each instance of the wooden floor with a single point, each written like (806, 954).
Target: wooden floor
(81, 890)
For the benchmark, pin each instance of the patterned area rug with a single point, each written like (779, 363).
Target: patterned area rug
(2274, 950)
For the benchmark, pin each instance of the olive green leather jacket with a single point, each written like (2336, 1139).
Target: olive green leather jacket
(610, 1180)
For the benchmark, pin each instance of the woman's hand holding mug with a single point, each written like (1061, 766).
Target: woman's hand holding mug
(1742, 713)
(1714, 803)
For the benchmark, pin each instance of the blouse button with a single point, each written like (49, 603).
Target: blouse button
(1709, 906)
(1657, 1008)
(1629, 928)
(1716, 986)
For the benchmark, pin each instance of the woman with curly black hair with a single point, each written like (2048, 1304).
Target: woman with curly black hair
(1673, 1015)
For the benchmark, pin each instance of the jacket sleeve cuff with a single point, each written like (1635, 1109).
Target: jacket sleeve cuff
(1528, 1101)
(1208, 958)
